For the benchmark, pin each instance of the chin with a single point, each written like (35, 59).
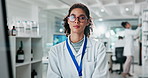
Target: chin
(76, 32)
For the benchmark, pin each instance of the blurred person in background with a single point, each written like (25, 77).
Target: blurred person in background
(129, 46)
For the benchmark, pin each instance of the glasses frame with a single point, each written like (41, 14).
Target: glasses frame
(80, 20)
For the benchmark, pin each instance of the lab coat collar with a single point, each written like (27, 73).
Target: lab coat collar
(80, 50)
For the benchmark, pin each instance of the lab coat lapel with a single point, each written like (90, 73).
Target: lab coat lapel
(80, 51)
(73, 50)
(88, 44)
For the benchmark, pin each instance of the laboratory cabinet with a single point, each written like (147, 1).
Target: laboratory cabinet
(32, 47)
(145, 37)
(144, 43)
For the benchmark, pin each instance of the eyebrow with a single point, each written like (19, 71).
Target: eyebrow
(78, 16)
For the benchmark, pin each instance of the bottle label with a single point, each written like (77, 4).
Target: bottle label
(35, 76)
(21, 29)
(14, 32)
(21, 57)
(28, 30)
(34, 30)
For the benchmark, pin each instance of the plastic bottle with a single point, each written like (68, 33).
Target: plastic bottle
(27, 28)
(34, 28)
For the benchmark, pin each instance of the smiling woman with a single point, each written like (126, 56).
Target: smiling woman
(79, 56)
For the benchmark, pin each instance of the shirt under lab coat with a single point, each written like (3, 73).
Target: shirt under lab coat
(129, 41)
(94, 61)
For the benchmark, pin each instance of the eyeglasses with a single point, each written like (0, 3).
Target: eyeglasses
(72, 18)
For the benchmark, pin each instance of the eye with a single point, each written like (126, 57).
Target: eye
(82, 18)
(72, 18)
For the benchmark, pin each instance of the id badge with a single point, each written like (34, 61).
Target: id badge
(80, 76)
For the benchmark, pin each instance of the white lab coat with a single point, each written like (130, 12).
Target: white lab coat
(129, 41)
(94, 61)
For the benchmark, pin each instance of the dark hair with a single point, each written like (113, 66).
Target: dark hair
(124, 24)
(86, 10)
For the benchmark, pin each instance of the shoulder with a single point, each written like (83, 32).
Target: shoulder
(97, 48)
(128, 29)
(57, 47)
(95, 43)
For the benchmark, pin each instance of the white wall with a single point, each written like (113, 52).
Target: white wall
(47, 27)
(20, 10)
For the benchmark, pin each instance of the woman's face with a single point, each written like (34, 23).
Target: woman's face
(128, 25)
(77, 21)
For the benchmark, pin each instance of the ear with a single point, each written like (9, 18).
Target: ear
(88, 22)
(68, 21)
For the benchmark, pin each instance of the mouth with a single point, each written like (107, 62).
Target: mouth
(76, 26)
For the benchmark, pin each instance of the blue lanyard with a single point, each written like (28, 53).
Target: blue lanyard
(79, 68)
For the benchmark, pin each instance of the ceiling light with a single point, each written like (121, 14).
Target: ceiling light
(100, 19)
(102, 10)
(126, 9)
(61, 30)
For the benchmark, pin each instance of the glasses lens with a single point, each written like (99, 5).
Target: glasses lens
(82, 18)
(71, 18)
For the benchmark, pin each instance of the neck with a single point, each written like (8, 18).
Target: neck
(76, 37)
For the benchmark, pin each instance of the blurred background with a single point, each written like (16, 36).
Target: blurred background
(36, 25)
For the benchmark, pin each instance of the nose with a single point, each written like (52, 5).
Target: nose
(77, 20)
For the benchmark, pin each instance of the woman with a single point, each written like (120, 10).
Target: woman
(78, 56)
(129, 46)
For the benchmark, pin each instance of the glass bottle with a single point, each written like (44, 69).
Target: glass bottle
(33, 74)
(31, 54)
(20, 57)
(13, 31)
